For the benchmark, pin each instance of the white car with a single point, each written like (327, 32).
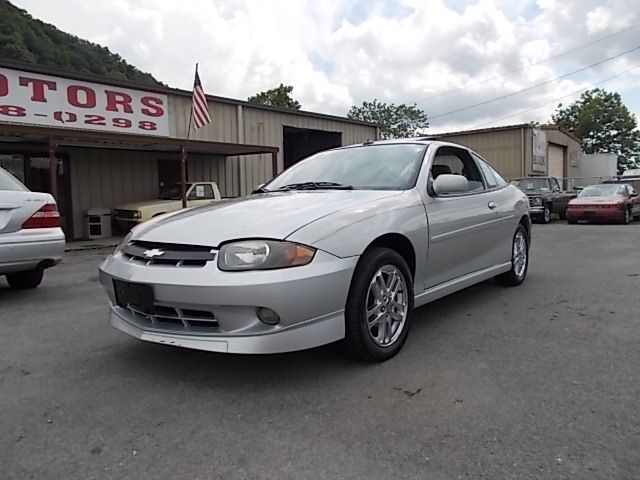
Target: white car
(31, 239)
(341, 246)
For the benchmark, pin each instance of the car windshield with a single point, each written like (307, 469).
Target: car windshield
(531, 183)
(173, 192)
(368, 167)
(602, 191)
(9, 182)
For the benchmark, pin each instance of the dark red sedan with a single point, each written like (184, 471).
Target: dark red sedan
(618, 203)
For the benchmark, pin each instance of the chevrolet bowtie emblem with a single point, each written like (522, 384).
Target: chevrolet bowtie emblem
(154, 252)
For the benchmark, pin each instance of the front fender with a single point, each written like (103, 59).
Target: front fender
(349, 233)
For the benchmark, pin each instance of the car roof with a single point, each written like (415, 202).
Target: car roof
(425, 140)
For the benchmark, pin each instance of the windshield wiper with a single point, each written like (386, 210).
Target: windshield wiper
(315, 186)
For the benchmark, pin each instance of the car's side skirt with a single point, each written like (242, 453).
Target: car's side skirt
(452, 286)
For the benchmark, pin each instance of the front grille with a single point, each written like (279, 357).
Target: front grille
(596, 207)
(126, 214)
(176, 319)
(168, 254)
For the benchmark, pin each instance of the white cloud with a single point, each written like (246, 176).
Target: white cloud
(338, 52)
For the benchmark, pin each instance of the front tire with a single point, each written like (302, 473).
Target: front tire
(626, 217)
(25, 280)
(379, 307)
(519, 259)
(546, 215)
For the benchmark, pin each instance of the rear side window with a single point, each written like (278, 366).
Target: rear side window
(9, 182)
(493, 178)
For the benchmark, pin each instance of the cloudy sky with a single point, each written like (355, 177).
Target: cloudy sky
(444, 55)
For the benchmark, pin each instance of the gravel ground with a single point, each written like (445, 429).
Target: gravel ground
(540, 381)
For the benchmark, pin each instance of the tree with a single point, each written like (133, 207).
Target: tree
(26, 39)
(277, 97)
(604, 124)
(396, 121)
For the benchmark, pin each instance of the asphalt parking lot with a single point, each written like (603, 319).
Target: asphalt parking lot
(539, 381)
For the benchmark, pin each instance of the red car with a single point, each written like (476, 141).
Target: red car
(618, 203)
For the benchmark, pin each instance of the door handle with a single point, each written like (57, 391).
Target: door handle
(492, 205)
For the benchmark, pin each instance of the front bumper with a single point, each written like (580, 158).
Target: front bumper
(31, 248)
(310, 301)
(595, 214)
(536, 211)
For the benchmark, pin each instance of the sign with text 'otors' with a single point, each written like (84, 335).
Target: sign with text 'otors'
(36, 99)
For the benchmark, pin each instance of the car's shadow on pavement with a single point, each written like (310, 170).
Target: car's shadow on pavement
(214, 370)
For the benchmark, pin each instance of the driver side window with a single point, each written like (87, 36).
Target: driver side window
(457, 161)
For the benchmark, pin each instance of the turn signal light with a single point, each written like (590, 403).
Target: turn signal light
(47, 217)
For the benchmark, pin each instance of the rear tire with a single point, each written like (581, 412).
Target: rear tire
(379, 307)
(519, 259)
(25, 280)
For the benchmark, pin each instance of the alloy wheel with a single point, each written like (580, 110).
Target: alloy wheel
(519, 255)
(386, 305)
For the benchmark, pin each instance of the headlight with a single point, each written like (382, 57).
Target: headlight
(263, 255)
(124, 241)
(537, 200)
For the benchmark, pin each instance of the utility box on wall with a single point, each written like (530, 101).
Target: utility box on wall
(97, 223)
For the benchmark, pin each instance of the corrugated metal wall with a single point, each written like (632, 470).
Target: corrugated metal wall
(107, 178)
(501, 148)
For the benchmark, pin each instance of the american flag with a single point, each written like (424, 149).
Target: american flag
(200, 109)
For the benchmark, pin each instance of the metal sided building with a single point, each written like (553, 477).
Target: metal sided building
(524, 150)
(97, 142)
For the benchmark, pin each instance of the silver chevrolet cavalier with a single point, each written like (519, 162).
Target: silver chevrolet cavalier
(340, 247)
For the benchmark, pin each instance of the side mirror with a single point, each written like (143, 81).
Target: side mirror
(446, 184)
(634, 194)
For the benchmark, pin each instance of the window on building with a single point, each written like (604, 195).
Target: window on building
(14, 164)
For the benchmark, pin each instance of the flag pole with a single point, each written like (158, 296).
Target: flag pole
(183, 155)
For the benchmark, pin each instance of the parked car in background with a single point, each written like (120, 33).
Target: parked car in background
(31, 239)
(545, 197)
(608, 202)
(341, 246)
(169, 200)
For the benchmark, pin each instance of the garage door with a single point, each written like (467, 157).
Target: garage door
(556, 161)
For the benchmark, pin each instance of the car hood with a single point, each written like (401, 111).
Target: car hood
(145, 203)
(596, 200)
(273, 215)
